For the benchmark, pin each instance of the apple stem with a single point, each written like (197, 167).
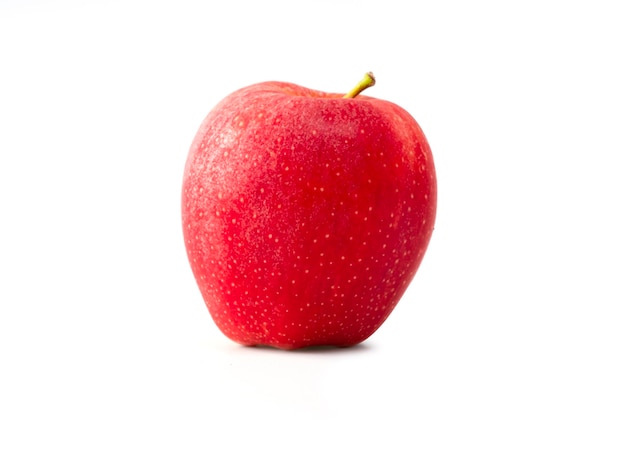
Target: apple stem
(367, 81)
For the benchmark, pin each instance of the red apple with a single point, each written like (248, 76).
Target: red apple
(306, 214)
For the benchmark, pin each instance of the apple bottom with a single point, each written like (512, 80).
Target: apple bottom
(303, 276)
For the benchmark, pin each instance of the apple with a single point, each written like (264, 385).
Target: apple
(306, 214)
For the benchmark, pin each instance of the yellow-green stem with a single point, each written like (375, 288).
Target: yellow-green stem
(367, 81)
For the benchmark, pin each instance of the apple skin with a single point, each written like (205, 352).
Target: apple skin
(306, 215)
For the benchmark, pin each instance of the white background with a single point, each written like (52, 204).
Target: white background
(512, 335)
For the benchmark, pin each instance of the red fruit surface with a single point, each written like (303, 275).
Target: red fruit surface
(306, 215)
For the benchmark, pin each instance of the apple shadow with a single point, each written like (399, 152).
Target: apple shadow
(314, 349)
